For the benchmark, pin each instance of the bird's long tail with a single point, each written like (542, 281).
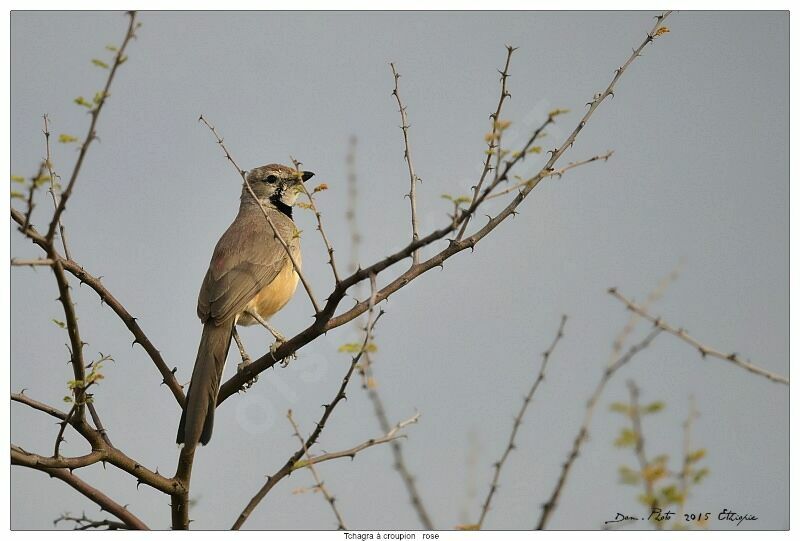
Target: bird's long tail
(197, 419)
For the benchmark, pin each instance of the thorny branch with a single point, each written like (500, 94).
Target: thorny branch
(518, 421)
(320, 485)
(365, 368)
(703, 350)
(412, 194)
(583, 431)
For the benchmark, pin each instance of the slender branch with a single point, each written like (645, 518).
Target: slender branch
(49, 162)
(412, 194)
(31, 190)
(641, 456)
(21, 457)
(365, 368)
(83, 523)
(583, 431)
(492, 144)
(91, 135)
(703, 350)
(18, 262)
(518, 421)
(243, 174)
(318, 216)
(63, 425)
(320, 485)
(106, 504)
(76, 351)
(559, 173)
(391, 436)
(288, 467)
(98, 423)
(84, 277)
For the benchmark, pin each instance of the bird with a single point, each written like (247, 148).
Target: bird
(249, 279)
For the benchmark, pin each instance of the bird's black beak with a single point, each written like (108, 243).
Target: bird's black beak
(307, 175)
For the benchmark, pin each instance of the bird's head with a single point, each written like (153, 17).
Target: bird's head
(276, 183)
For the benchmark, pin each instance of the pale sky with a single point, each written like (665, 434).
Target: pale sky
(700, 174)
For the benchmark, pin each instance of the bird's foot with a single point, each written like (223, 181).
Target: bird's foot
(246, 361)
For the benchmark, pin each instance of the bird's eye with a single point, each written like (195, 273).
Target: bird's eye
(271, 179)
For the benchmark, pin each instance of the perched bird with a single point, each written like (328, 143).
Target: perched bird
(249, 279)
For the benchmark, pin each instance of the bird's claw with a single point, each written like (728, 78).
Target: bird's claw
(240, 367)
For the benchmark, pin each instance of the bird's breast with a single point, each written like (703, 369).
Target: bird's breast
(274, 295)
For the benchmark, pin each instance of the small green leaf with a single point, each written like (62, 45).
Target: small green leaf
(122, 59)
(627, 438)
(699, 475)
(18, 179)
(60, 323)
(44, 179)
(99, 63)
(80, 100)
(112, 48)
(67, 399)
(695, 456)
(620, 407)
(355, 347)
(655, 407)
(99, 96)
(66, 138)
(17, 195)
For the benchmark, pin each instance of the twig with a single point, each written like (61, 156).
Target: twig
(352, 198)
(641, 456)
(365, 368)
(703, 350)
(318, 216)
(63, 425)
(85, 523)
(518, 421)
(491, 143)
(91, 135)
(98, 423)
(558, 173)
(18, 262)
(351, 453)
(21, 457)
(243, 174)
(288, 467)
(31, 190)
(52, 190)
(320, 485)
(412, 194)
(583, 431)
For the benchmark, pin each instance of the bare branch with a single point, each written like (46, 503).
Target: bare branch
(493, 142)
(18, 262)
(583, 431)
(518, 421)
(703, 350)
(83, 523)
(243, 174)
(391, 436)
(559, 173)
(412, 194)
(49, 162)
(313, 206)
(320, 485)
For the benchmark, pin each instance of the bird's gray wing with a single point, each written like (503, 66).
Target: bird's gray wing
(246, 259)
